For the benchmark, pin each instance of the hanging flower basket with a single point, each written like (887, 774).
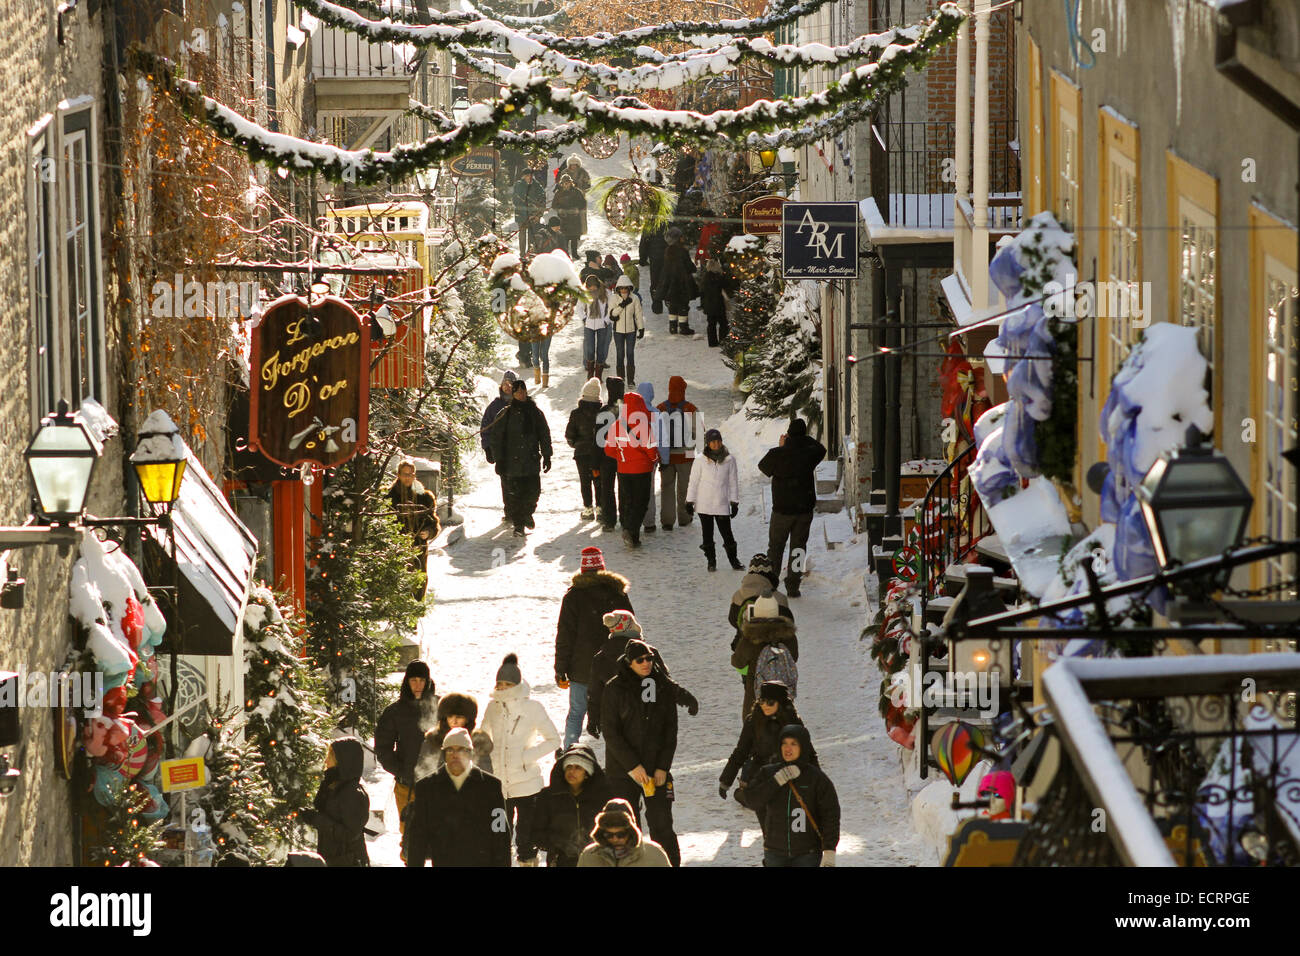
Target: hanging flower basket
(600, 145)
(530, 319)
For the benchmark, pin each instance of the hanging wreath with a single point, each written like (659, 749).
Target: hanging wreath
(633, 205)
(530, 319)
(600, 145)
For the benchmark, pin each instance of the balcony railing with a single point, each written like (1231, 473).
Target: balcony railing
(915, 174)
(952, 521)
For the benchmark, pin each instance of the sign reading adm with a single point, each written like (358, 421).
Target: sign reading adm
(819, 240)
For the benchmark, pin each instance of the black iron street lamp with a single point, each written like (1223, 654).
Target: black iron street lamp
(61, 460)
(1194, 503)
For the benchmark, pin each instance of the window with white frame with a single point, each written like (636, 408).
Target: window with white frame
(81, 263)
(42, 173)
(1279, 427)
(1198, 278)
(1122, 253)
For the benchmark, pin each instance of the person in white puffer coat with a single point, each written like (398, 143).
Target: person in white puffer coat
(522, 734)
(714, 492)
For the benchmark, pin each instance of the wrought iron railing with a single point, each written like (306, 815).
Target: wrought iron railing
(951, 523)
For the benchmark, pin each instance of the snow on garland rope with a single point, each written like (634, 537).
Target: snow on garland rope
(442, 24)
(537, 52)
(858, 88)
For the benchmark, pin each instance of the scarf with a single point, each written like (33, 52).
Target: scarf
(718, 456)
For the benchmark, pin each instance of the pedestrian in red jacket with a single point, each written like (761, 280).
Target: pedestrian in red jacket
(631, 443)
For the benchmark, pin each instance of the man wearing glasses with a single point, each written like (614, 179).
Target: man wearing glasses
(618, 842)
(459, 815)
(639, 722)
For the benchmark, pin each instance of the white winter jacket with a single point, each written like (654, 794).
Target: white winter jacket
(627, 317)
(522, 734)
(714, 485)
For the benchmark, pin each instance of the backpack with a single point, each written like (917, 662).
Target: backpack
(775, 663)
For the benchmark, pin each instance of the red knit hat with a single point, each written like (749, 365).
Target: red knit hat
(592, 559)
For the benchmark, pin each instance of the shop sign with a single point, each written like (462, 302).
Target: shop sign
(187, 773)
(309, 382)
(762, 216)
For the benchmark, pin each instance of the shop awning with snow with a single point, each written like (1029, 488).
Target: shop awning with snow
(214, 563)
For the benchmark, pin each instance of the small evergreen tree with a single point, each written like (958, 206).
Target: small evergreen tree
(755, 283)
(128, 838)
(237, 802)
(784, 374)
(287, 710)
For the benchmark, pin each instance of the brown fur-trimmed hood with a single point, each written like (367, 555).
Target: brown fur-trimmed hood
(591, 579)
(767, 630)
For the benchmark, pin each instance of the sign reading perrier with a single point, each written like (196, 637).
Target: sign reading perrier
(477, 162)
(309, 382)
(819, 240)
(762, 216)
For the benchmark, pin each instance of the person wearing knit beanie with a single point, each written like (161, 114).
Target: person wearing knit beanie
(458, 737)
(508, 672)
(622, 622)
(593, 559)
(581, 433)
(635, 647)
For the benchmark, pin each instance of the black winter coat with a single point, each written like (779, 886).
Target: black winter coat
(581, 629)
(712, 285)
(650, 250)
(637, 731)
(495, 408)
(569, 204)
(677, 280)
(341, 808)
(465, 827)
(604, 666)
(520, 440)
(562, 823)
(580, 433)
(791, 466)
(416, 509)
(760, 741)
(785, 827)
(399, 734)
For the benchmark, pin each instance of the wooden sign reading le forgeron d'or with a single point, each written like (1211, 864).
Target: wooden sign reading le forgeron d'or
(310, 382)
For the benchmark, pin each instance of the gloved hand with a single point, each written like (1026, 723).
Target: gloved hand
(690, 510)
(546, 466)
(692, 705)
(735, 508)
(785, 775)
(562, 681)
(593, 729)
(722, 790)
(640, 333)
(828, 857)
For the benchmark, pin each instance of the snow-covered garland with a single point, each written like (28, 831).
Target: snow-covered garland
(664, 75)
(485, 120)
(443, 25)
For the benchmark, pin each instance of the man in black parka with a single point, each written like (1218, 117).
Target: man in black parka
(400, 732)
(801, 812)
(459, 815)
(791, 466)
(521, 447)
(639, 721)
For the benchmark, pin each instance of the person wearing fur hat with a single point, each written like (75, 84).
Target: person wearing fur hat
(521, 445)
(629, 325)
(580, 433)
(522, 734)
(457, 815)
(638, 717)
(759, 740)
(622, 626)
(593, 592)
(714, 491)
(567, 809)
(679, 431)
(631, 443)
(801, 811)
(616, 841)
(792, 466)
(495, 408)
(417, 512)
(341, 808)
(763, 624)
(605, 420)
(454, 710)
(400, 732)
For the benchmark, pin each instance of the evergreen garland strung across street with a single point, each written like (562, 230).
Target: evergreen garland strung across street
(441, 26)
(859, 87)
(538, 52)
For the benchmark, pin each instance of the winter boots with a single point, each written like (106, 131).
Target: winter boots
(672, 326)
(685, 328)
(731, 556)
(631, 375)
(711, 556)
(620, 368)
(631, 539)
(537, 375)
(546, 380)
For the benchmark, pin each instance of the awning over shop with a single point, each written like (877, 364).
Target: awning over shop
(213, 568)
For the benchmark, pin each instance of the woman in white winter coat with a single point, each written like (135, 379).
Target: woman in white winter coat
(522, 734)
(594, 316)
(714, 492)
